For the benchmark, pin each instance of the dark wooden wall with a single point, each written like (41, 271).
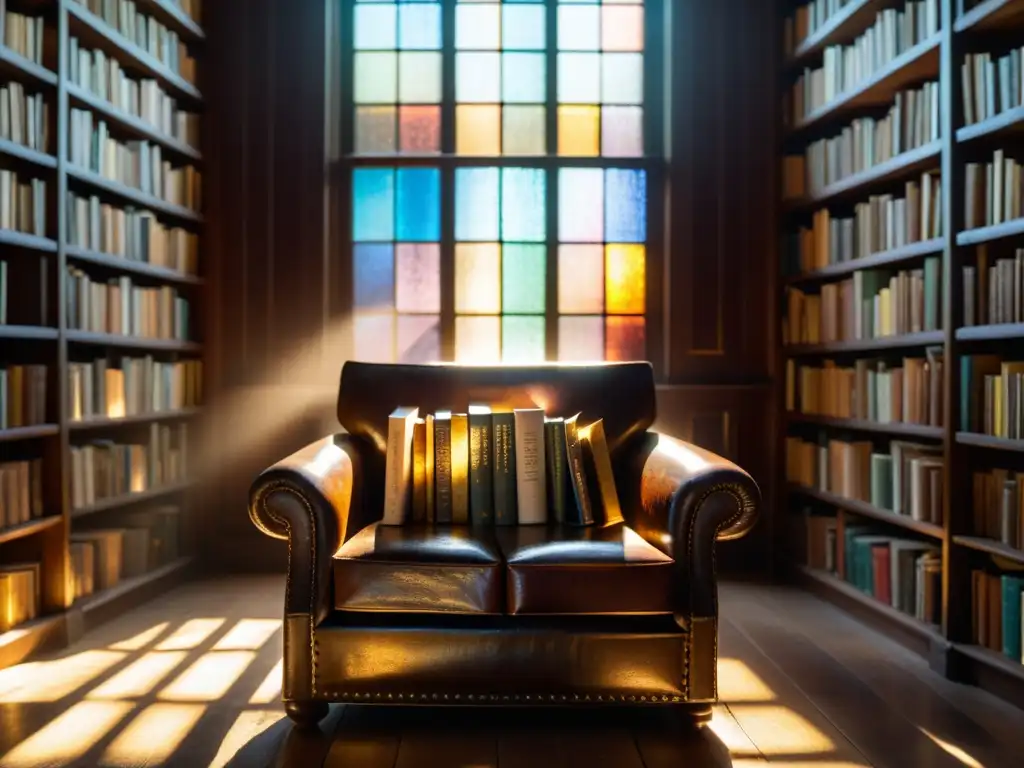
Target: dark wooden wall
(274, 349)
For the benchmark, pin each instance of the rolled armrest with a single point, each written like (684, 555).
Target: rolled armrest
(689, 498)
(307, 498)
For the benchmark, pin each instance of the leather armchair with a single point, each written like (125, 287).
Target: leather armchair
(532, 615)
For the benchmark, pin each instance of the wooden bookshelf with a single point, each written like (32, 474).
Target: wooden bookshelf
(41, 329)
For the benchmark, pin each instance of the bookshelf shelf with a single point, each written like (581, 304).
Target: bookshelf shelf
(864, 509)
(923, 339)
(842, 27)
(132, 195)
(131, 342)
(15, 532)
(999, 331)
(129, 593)
(129, 266)
(990, 546)
(980, 235)
(9, 237)
(993, 671)
(13, 149)
(989, 441)
(28, 433)
(31, 637)
(21, 68)
(175, 17)
(992, 14)
(1010, 122)
(899, 167)
(894, 428)
(28, 332)
(909, 67)
(891, 258)
(128, 499)
(125, 421)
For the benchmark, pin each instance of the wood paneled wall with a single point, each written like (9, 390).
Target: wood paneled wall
(273, 343)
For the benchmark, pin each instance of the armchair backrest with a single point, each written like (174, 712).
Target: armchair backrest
(620, 393)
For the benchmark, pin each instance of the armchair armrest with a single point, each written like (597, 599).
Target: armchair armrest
(307, 499)
(689, 498)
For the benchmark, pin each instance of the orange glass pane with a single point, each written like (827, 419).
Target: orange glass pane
(477, 278)
(578, 131)
(624, 338)
(580, 279)
(478, 129)
(622, 28)
(419, 129)
(478, 339)
(625, 282)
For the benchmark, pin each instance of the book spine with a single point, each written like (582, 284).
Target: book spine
(530, 467)
(428, 469)
(577, 473)
(503, 457)
(394, 512)
(460, 468)
(419, 472)
(1012, 586)
(481, 470)
(443, 470)
(557, 479)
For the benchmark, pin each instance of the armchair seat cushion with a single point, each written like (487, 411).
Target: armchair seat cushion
(419, 569)
(567, 570)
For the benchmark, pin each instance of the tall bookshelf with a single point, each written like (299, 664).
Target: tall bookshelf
(92, 107)
(924, 555)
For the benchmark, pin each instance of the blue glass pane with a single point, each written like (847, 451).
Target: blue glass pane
(419, 204)
(419, 26)
(476, 204)
(374, 274)
(522, 78)
(373, 208)
(522, 205)
(522, 27)
(625, 206)
(374, 27)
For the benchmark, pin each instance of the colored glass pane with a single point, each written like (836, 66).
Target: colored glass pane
(580, 338)
(622, 131)
(419, 129)
(522, 205)
(374, 338)
(476, 204)
(523, 27)
(625, 282)
(622, 78)
(376, 77)
(374, 26)
(581, 205)
(418, 284)
(419, 26)
(625, 205)
(478, 129)
(523, 278)
(579, 131)
(477, 339)
(625, 338)
(478, 77)
(375, 130)
(579, 78)
(622, 28)
(374, 277)
(523, 130)
(373, 214)
(522, 78)
(419, 339)
(419, 204)
(580, 279)
(477, 278)
(419, 78)
(478, 26)
(579, 27)
(522, 339)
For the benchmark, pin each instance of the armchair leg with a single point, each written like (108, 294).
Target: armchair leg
(306, 714)
(695, 714)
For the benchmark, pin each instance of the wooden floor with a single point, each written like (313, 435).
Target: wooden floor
(193, 680)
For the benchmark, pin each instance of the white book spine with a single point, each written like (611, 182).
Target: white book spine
(398, 470)
(530, 466)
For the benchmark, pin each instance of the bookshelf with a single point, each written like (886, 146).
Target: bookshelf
(896, 394)
(101, 301)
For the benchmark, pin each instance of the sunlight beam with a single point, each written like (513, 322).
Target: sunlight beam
(141, 640)
(153, 736)
(248, 635)
(209, 678)
(67, 737)
(140, 677)
(269, 691)
(190, 634)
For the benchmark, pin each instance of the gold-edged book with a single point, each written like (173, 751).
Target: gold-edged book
(600, 476)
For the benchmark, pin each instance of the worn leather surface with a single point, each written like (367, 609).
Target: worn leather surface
(570, 570)
(422, 569)
(683, 499)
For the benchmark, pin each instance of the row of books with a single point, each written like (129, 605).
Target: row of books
(870, 304)
(21, 492)
(22, 203)
(912, 122)
(806, 19)
(143, 541)
(990, 396)
(24, 35)
(147, 33)
(992, 191)
(137, 164)
(131, 386)
(997, 599)
(997, 510)
(504, 467)
(880, 223)
(103, 76)
(845, 67)
(22, 396)
(994, 289)
(20, 592)
(132, 233)
(870, 390)
(991, 86)
(905, 478)
(119, 306)
(903, 573)
(103, 469)
(24, 117)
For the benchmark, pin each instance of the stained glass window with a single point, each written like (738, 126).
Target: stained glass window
(499, 181)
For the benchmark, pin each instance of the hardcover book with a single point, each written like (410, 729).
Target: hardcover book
(443, 466)
(419, 471)
(600, 477)
(582, 513)
(460, 468)
(503, 457)
(481, 471)
(530, 466)
(559, 484)
(398, 469)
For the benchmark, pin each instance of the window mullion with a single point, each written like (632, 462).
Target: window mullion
(448, 179)
(551, 142)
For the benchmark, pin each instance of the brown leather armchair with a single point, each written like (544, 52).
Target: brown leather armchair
(521, 615)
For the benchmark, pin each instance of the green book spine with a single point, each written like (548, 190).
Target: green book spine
(1012, 588)
(931, 294)
(481, 471)
(558, 478)
(443, 467)
(965, 395)
(503, 459)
